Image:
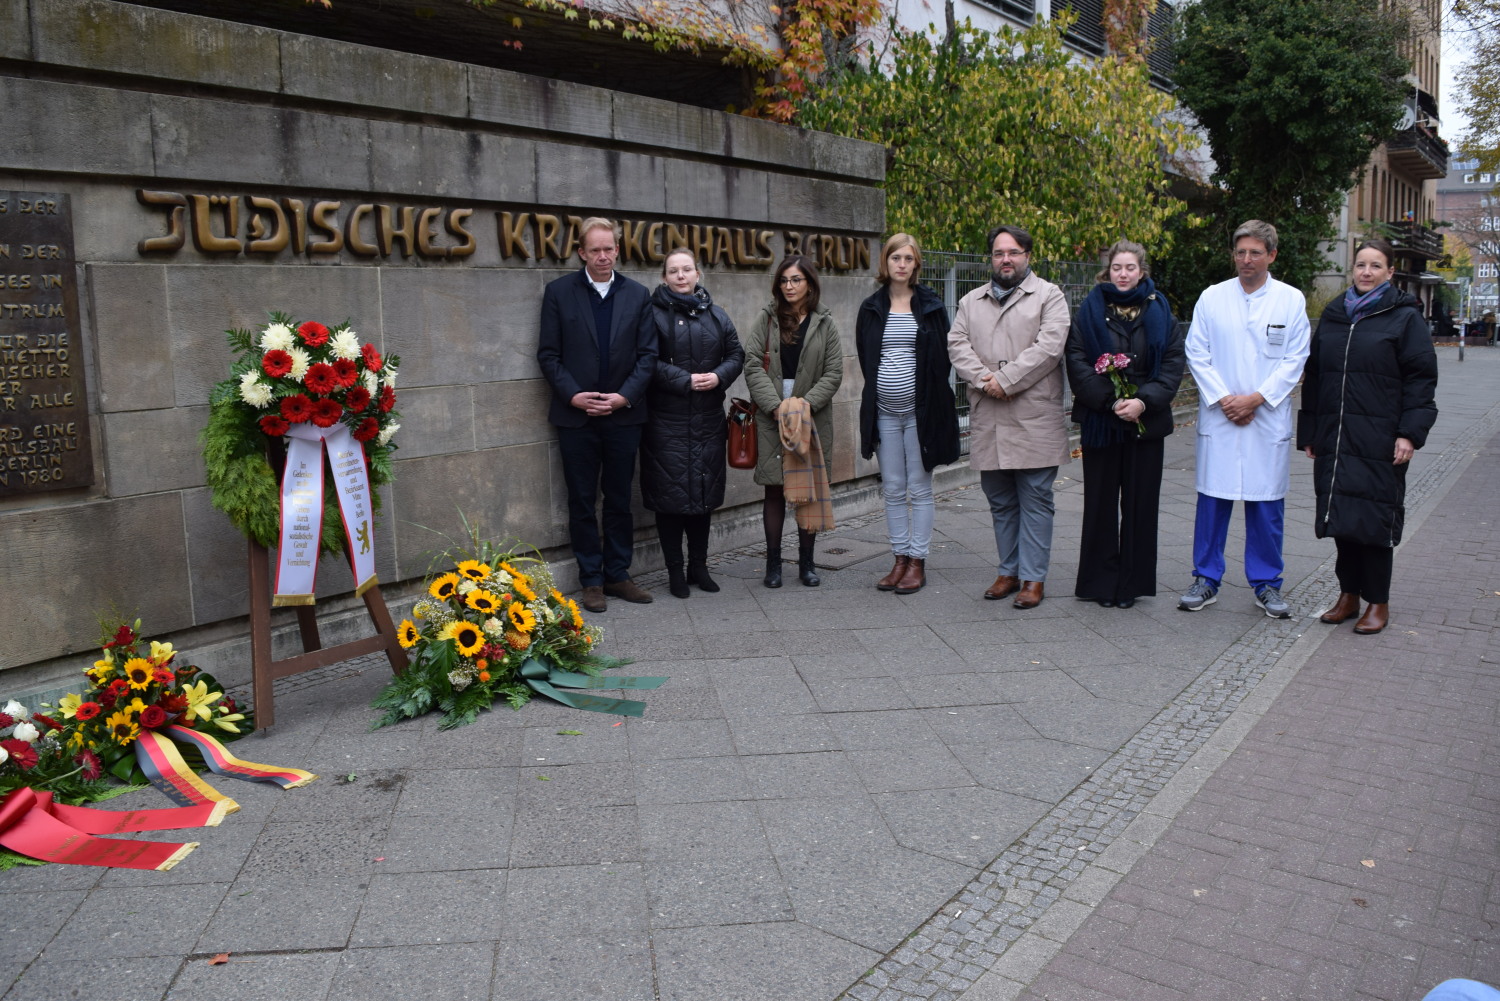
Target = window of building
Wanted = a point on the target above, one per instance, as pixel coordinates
(1468, 178)
(1484, 178)
(1023, 11)
(1488, 269)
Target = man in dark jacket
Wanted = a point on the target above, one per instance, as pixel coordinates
(597, 350)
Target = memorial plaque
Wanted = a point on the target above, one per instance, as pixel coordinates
(44, 421)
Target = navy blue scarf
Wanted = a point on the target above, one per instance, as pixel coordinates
(1100, 430)
(1359, 306)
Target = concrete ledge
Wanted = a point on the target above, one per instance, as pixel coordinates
(328, 70)
(15, 30)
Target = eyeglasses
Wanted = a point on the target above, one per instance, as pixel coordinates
(1249, 255)
(1006, 255)
(791, 281)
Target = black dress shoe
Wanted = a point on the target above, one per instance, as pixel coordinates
(1124, 602)
(1106, 603)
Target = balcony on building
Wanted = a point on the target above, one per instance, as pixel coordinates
(1418, 151)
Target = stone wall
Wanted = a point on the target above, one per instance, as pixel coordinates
(107, 99)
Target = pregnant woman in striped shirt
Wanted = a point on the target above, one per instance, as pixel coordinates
(906, 414)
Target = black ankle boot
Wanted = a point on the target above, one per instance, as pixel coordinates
(677, 582)
(773, 569)
(805, 570)
(697, 573)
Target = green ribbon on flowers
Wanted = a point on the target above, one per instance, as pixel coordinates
(542, 678)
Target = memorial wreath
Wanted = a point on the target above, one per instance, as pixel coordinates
(295, 380)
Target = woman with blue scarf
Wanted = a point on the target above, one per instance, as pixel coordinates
(1367, 404)
(1124, 324)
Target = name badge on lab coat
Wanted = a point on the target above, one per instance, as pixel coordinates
(1276, 334)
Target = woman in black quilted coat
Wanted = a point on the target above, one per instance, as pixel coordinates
(682, 447)
(1367, 404)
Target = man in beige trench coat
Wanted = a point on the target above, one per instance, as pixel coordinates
(1007, 345)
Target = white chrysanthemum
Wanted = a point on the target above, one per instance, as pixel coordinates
(253, 391)
(494, 627)
(388, 376)
(300, 361)
(465, 586)
(387, 434)
(371, 381)
(278, 337)
(345, 344)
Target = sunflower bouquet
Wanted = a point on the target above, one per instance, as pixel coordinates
(138, 686)
(292, 373)
(478, 624)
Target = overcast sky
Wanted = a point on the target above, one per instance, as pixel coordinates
(1455, 55)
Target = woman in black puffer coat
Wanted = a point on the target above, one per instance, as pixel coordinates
(682, 447)
(1367, 404)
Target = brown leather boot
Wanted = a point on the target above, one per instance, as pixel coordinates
(1004, 586)
(915, 577)
(890, 580)
(1374, 619)
(1347, 607)
(1030, 596)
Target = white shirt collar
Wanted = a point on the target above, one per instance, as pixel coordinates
(601, 287)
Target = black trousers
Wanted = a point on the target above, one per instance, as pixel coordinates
(600, 458)
(1121, 498)
(671, 528)
(1364, 570)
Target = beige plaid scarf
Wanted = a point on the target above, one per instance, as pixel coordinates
(803, 471)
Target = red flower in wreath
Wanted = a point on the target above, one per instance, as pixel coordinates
(106, 699)
(6, 719)
(90, 763)
(373, 361)
(119, 687)
(326, 413)
(321, 378)
(276, 363)
(173, 704)
(124, 636)
(163, 675)
(387, 399)
(296, 409)
(22, 753)
(87, 711)
(367, 430)
(273, 425)
(153, 717)
(313, 334)
(346, 372)
(46, 721)
(356, 399)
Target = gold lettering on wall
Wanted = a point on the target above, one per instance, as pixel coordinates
(389, 232)
(330, 227)
(267, 238)
(547, 229)
(204, 237)
(354, 237)
(513, 235)
(455, 225)
(176, 229)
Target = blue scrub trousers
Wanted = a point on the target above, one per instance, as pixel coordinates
(1263, 531)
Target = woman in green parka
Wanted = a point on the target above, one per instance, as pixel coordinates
(792, 349)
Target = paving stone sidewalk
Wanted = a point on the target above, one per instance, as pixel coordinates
(837, 786)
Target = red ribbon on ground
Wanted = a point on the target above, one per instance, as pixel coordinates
(33, 824)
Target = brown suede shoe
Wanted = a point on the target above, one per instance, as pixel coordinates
(1030, 596)
(890, 580)
(1374, 619)
(1004, 587)
(1347, 607)
(915, 577)
(594, 600)
(629, 590)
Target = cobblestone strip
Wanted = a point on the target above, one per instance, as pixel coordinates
(950, 951)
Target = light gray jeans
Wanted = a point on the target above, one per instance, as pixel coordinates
(904, 483)
(1022, 509)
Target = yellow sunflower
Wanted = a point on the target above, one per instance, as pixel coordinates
(474, 570)
(522, 584)
(507, 568)
(521, 617)
(407, 634)
(123, 728)
(138, 673)
(483, 601)
(577, 616)
(465, 635)
(444, 587)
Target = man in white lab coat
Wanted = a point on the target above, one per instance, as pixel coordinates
(1245, 348)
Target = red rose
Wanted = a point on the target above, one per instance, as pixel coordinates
(106, 699)
(296, 409)
(90, 763)
(173, 704)
(6, 719)
(356, 399)
(321, 378)
(153, 717)
(346, 372)
(124, 636)
(326, 413)
(22, 753)
(46, 721)
(87, 710)
(367, 430)
(276, 364)
(273, 425)
(387, 399)
(373, 360)
(313, 334)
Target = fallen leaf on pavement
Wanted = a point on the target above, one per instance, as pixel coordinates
(219, 960)
(1361, 901)
(1368, 863)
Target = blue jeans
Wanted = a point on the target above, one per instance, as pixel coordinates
(600, 458)
(904, 481)
(1022, 509)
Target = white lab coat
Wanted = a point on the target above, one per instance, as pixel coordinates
(1233, 349)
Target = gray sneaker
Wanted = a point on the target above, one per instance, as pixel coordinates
(1275, 605)
(1201, 593)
